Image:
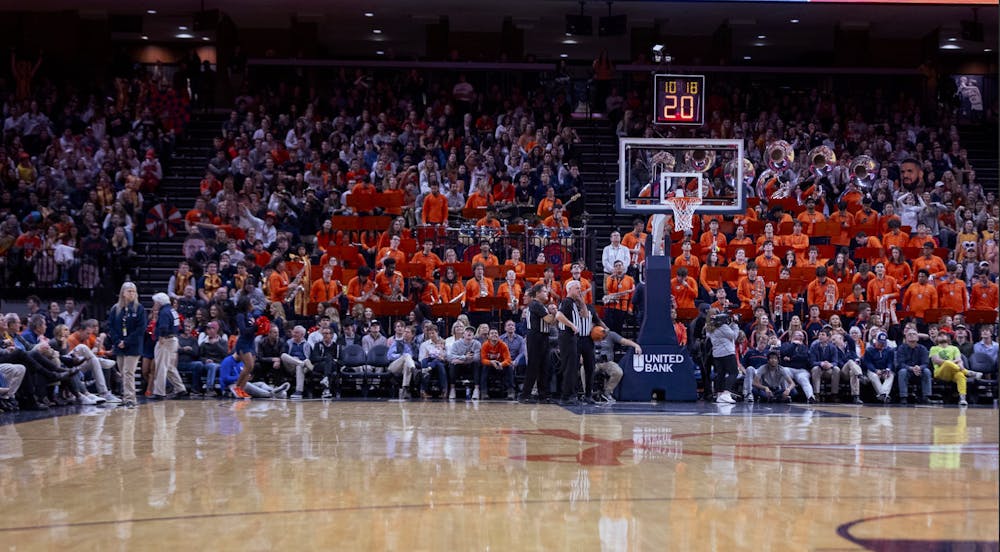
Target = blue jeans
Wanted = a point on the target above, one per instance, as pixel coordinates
(904, 376)
(211, 368)
(437, 369)
(197, 370)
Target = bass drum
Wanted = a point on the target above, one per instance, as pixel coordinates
(556, 254)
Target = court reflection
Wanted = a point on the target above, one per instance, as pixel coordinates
(390, 475)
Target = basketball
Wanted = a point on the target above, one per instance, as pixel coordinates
(598, 333)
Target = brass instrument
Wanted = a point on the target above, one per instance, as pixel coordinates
(663, 160)
(779, 155)
(730, 172)
(823, 160)
(296, 286)
(830, 298)
(397, 291)
(457, 298)
(699, 159)
(783, 191)
(368, 294)
(482, 289)
(759, 292)
(864, 169)
(613, 297)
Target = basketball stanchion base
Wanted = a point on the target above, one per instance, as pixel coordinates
(665, 369)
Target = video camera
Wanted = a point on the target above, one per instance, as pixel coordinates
(722, 319)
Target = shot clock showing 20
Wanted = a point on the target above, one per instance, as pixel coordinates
(679, 99)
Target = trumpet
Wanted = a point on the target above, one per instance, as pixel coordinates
(864, 168)
(822, 159)
(699, 159)
(779, 155)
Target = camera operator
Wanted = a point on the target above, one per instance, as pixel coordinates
(722, 331)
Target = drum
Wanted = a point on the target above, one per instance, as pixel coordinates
(566, 237)
(540, 236)
(488, 234)
(467, 234)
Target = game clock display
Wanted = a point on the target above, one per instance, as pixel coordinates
(679, 99)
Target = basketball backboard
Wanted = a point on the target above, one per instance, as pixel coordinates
(652, 169)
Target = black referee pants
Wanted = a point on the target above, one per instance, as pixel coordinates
(569, 356)
(537, 345)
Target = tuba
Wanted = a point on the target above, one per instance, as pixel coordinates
(823, 159)
(663, 160)
(699, 159)
(730, 172)
(779, 155)
(863, 169)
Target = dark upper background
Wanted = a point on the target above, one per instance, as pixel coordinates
(90, 33)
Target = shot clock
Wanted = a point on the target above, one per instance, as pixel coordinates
(679, 99)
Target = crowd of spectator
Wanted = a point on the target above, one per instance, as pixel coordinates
(333, 216)
(77, 167)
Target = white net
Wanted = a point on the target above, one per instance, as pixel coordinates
(683, 208)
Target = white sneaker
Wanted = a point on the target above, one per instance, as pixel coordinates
(973, 375)
(475, 394)
(725, 398)
(326, 394)
(962, 401)
(97, 398)
(280, 395)
(86, 400)
(296, 396)
(748, 398)
(111, 399)
(451, 394)
(325, 382)
(282, 387)
(608, 398)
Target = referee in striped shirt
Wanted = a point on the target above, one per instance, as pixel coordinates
(576, 319)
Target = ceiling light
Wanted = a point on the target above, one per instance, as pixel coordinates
(952, 39)
(564, 55)
(379, 53)
(184, 35)
(569, 41)
(761, 37)
(205, 38)
(987, 50)
(793, 20)
(182, 28)
(369, 14)
(951, 47)
(569, 34)
(759, 44)
(746, 58)
(377, 31)
(151, 12)
(144, 37)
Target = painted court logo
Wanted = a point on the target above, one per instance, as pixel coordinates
(656, 363)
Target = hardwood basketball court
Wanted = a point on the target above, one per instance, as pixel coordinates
(354, 475)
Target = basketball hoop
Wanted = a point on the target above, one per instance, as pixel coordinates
(683, 208)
